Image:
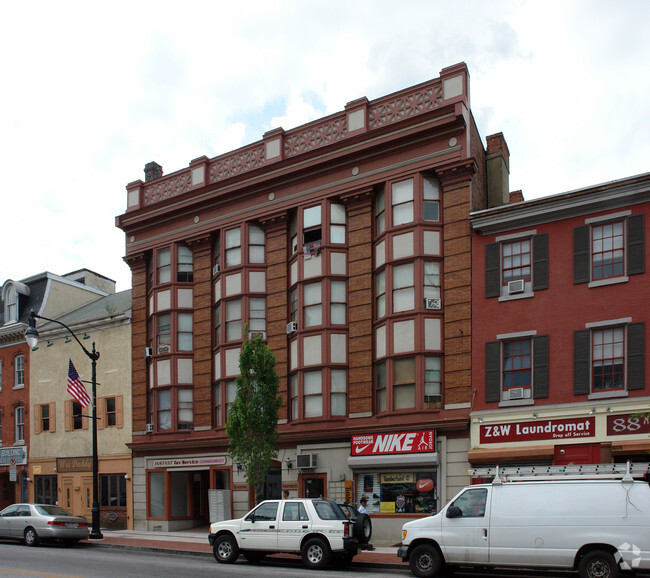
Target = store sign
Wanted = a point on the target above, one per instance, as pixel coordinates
(394, 443)
(188, 462)
(17, 455)
(626, 424)
(66, 465)
(550, 429)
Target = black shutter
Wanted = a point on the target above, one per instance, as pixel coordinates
(493, 371)
(540, 366)
(635, 245)
(581, 254)
(581, 357)
(635, 355)
(492, 270)
(540, 262)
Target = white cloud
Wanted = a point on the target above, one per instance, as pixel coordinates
(91, 93)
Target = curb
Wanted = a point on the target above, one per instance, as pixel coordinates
(277, 558)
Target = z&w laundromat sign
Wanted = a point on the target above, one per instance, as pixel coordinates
(542, 429)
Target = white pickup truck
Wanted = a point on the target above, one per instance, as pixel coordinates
(320, 530)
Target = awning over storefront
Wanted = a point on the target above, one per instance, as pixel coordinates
(393, 460)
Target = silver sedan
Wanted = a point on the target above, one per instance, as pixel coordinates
(32, 523)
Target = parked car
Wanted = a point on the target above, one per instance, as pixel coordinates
(596, 527)
(33, 523)
(316, 529)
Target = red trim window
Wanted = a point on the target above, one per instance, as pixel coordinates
(517, 364)
(608, 359)
(607, 250)
(516, 261)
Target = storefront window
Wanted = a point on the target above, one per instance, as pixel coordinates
(399, 492)
(157, 495)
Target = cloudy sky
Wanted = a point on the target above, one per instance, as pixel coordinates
(91, 92)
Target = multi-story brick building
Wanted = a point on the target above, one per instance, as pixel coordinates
(346, 244)
(49, 295)
(559, 322)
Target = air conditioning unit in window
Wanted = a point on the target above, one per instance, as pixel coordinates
(306, 461)
(432, 303)
(148, 428)
(148, 352)
(216, 269)
(292, 327)
(164, 349)
(254, 334)
(515, 286)
(516, 393)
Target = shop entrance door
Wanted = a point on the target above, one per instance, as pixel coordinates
(86, 497)
(313, 486)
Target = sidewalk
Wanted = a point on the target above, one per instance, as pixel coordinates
(196, 543)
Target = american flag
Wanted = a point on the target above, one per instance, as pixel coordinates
(75, 388)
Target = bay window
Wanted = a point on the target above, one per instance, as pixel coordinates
(402, 202)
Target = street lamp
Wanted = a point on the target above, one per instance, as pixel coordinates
(31, 336)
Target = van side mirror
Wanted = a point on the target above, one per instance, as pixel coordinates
(454, 512)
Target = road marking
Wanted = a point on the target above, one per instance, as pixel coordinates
(30, 573)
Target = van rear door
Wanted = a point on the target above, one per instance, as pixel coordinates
(465, 525)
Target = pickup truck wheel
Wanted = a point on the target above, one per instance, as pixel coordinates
(598, 564)
(253, 556)
(316, 553)
(225, 549)
(425, 561)
(363, 528)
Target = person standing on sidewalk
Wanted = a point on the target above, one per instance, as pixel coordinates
(362, 506)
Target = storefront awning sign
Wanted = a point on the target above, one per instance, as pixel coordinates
(422, 441)
(188, 462)
(550, 429)
(628, 423)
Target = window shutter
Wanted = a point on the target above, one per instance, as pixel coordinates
(67, 406)
(38, 420)
(88, 410)
(581, 357)
(101, 413)
(492, 270)
(581, 254)
(540, 262)
(493, 371)
(540, 366)
(635, 245)
(53, 417)
(119, 411)
(635, 356)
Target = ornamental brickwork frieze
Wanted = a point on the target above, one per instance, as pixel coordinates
(315, 136)
(168, 188)
(405, 106)
(236, 164)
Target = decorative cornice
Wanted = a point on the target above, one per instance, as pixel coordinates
(457, 172)
(362, 195)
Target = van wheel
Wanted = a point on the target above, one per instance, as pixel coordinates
(598, 564)
(363, 528)
(425, 561)
(225, 549)
(316, 554)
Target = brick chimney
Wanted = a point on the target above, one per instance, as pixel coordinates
(152, 171)
(498, 170)
(516, 197)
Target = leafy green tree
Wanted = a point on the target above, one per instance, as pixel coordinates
(252, 425)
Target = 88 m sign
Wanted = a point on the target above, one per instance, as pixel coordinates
(628, 424)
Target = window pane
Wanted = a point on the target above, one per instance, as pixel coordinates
(403, 276)
(402, 191)
(233, 238)
(255, 235)
(312, 293)
(403, 214)
(313, 382)
(256, 254)
(404, 299)
(313, 316)
(313, 406)
(311, 217)
(338, 313)
(337, 234)
(404, 370)
(338, 213)
(430, 189)
(404, 396)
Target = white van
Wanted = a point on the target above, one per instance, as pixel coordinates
(596, 526)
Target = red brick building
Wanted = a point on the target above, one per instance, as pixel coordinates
(346, 244)
(560, 318)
